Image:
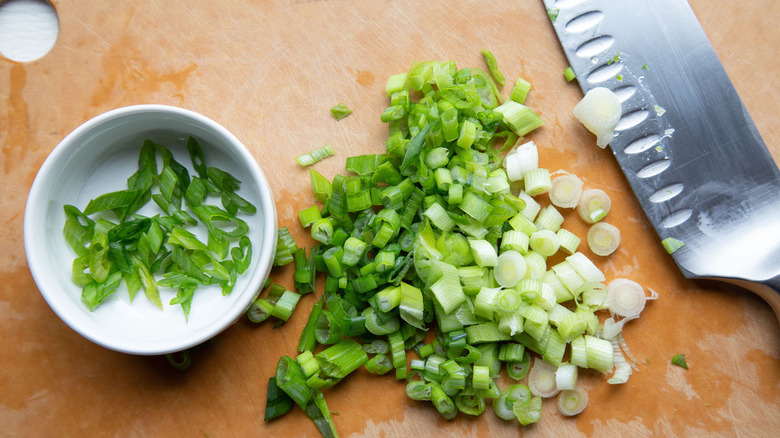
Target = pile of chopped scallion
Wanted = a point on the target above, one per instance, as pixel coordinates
(435, 254)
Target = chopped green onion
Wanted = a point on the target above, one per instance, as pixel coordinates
(317, 410)
(326, 330)
(593, 296)
(443, 402)
(492, 64)
(339, 360)
(541, 379)
(511, 352)
(503, 404)
(284, 308)
(398, 352)
(518, 369)
(136, 248)
(679, 360)
(594, 204)
(625, 298)
(418, 390)
(291, 379)
(469, 402)
(447, 289)
(532, 207)
(285, 247)
(480, 377)
(599, 353)
(354, 249)
(671, 244)
(316, 155)
(572, 402)
(388, 298)
(278, 402)
(562, 294)
(340, 111)
(519, 117)
(565, 191)
(484, 253)
(510, 268)
(485, 302)
(520, 90)
(586, 269)
(536, 264)
(308, 339)
(513, 240)
(260, 310)
(566, 377)
(544, 242)
(439, 217)
(438, 233)
(308, 363)
(520, 222)
(321, 187)
(412, 305)
(567, 276)
(475, 206)
(309, 215)
(603, 238)
(379, 364)
(485, 332)
(569, 74)
(181, 363)
(529, 412)
(622, 368)
(510, 324)
(537, 181)
(599, 111)
(549, 218)
(569, 242)
(521, 160)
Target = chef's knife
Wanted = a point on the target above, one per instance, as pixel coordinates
(685, 141)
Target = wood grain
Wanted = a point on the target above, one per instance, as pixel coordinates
(269, 71)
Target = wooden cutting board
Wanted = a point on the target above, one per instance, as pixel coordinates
(269, 71)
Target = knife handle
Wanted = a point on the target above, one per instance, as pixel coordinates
(768, 289)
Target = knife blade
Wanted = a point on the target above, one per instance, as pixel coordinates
(685, 142)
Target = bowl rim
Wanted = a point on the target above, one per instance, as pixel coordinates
(35, 206)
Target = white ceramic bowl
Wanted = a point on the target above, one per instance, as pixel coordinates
(98, 157)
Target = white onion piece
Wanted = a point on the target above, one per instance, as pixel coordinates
(603, 238)
(545, 242)
(625, 298)
(541, 379)
(613, 328)
(622, 368)
(586, 268)
(627, 351)
(599, 111)
(523, 159)
(572, 402)
(593, 201)
(565, 191)
(566, 377)
(510, 268)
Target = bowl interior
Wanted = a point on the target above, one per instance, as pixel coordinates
(97, 158)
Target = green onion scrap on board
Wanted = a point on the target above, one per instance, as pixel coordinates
(436, 256)
(679, 360)
(340, 111)
(114, 243)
